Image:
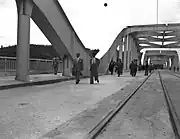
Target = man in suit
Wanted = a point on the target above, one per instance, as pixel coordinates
(55, 64)
(78, 67)
(94, 65)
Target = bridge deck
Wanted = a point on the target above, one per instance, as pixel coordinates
(30, 112)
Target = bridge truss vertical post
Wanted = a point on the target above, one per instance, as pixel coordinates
(125, 52)
(121, 49)
(129, 51)
(23, 40)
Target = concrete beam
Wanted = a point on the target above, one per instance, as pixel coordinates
(153, 45)
(146, 34)
(173, 33)
(172, 39)
(159, 27)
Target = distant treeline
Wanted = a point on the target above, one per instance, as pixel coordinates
(36, 51)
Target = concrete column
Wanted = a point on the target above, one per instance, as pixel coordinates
(125, 53)
(120, 51)
(23, 40)
(67, 66)
(129, 39)
(134, 52)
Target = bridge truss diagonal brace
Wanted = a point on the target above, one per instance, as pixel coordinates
(23, 40)
(103, 68)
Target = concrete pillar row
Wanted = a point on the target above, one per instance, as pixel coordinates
(23, 40)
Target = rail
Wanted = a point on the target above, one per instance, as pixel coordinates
(96, 130)
(36, 66)
(172, 113)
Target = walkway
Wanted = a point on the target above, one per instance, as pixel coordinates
(30, 112)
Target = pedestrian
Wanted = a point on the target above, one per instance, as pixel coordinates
(94, 65)
(131, 68)
(150, 67)
(78, 67)
(119, 67)
(135, 67)
(174, 68)
(146, 68)
(55, 65)
(111, 67)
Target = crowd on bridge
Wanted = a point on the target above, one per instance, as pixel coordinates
(114, 66)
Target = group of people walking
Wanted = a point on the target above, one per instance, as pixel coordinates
(118, 66)
(78, 67)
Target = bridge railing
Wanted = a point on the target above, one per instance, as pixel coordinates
(37, 66)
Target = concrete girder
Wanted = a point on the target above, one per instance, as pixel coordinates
(172, 45)
(172, 39)
(146, 34)
(173, 33)
(148, 43)
(154, 28)
(151, 39)
(156, 54)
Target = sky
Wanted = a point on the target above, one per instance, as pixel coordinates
(97, 26)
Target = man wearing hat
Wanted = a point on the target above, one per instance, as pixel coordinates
(78, 67)
(94, 64)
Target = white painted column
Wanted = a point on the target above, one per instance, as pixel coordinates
(22, 54)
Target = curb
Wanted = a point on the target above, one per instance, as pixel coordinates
(52, 81)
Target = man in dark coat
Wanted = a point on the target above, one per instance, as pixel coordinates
(131, 68)
(122, 65)
(94, 65)
(146, 67)
(150, 67)
(78, 67)
(111, 67)
(135, 67)
(119, 66)
(174, 68)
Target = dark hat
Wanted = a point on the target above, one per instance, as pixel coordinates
(77, 54)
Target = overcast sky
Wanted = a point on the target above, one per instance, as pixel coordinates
(96, 25)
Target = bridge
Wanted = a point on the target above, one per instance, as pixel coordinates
(48, 106)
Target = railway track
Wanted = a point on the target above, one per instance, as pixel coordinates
(175, 121)
(96, 130)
